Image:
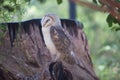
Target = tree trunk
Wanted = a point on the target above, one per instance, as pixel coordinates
(24, 56)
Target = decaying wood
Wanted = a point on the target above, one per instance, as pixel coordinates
(24, 56)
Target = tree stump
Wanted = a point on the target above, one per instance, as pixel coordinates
(24, 56)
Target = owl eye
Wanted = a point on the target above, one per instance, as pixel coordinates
(47, 20)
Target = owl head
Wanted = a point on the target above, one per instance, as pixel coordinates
(50, 20)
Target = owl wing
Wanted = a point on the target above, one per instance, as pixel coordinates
(60, 40)
(62, 44)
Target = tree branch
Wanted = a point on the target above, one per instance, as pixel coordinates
(108, 6)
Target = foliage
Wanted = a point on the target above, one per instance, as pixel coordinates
(11, 9)
(111, 18)
(59, 1)
(110, 6)
(2, 32)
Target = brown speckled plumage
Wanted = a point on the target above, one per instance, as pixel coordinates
(62, 43)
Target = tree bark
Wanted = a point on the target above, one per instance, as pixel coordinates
(29, 59)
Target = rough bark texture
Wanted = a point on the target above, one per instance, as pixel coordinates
(24, 56)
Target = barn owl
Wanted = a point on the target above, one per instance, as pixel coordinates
(55, 38)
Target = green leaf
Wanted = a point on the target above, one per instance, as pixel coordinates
(59, 1)
(42, 1)
(118, 29)
(109, 20)
(117, 0)
(1, 1)
(8, 8)
(3, 27)
(95, 1)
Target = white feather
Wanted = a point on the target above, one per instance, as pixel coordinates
(49, 43)
(46, 25)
